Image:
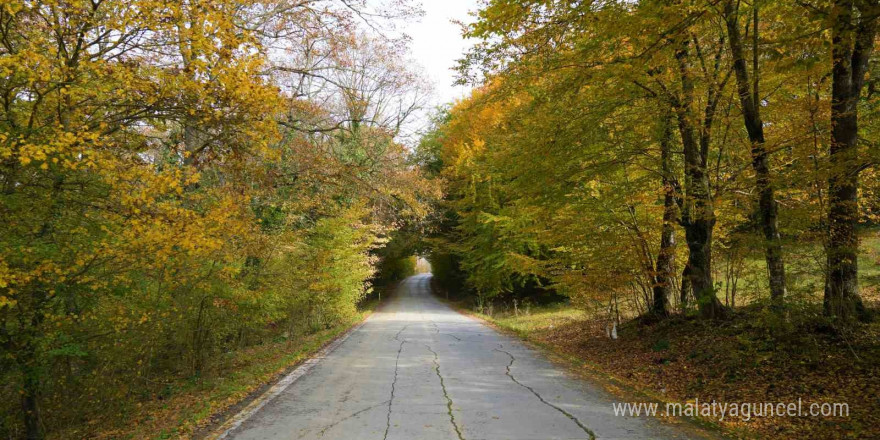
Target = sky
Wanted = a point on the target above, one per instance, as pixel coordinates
(437, 44)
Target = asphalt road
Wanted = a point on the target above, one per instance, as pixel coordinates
(418, 370)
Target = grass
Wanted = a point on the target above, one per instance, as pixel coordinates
(804, 272)
(869, 269)
(193, 404)
(539, 318)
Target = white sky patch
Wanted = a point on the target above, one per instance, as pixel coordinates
(437, 44)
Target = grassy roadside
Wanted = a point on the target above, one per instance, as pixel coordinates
(191, 407)
(683, 359)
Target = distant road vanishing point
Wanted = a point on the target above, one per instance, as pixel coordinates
(417, 369)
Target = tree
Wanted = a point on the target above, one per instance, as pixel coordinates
(650, 47)
(698, 212)
(853, 30)
(665, 267)
(749, 98)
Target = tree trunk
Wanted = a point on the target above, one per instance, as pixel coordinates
(685, 288)
(698, 216)
(698, 234)
(30, 393)
(666, 256)
(852, 44)
(767, 207)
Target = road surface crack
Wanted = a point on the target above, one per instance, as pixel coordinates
(564, 412)
(437, 331)
(397, 336)
(393, 385)
(445, 394)
(350, 416)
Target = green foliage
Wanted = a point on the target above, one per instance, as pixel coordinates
(397, 269)
(332, 267)
(396, 259)
(447, 273)
(597, 128)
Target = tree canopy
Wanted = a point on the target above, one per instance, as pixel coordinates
(643, 149)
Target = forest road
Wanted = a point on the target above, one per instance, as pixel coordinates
(417, 369)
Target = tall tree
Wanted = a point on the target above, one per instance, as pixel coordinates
(853, 31)
(695, 128)
(665, 266)
(749, 98)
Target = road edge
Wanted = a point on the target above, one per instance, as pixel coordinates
(232, 417)
(261, 397)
